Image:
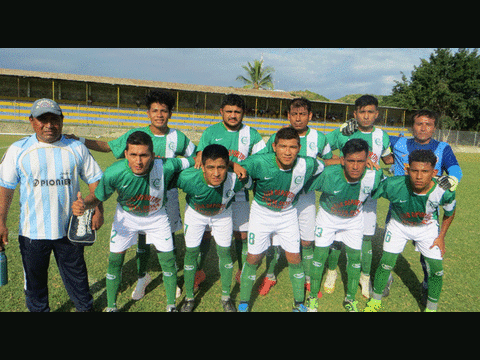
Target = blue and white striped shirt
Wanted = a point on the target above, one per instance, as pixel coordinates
(49, 181)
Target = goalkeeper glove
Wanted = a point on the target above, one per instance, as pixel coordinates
(349, 127)
(447, 182)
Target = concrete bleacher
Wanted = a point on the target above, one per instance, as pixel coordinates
(19, 111)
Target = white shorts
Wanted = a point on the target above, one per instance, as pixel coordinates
(126, 227)
(369, 216)
(306, 217)
(221, 226)
(264, 223)
(240, 214)
(173, 210)
(330, 228)
(397, 235)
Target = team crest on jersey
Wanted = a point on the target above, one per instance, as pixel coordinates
(298, 180)
(432, 204)
(244, 140)
(312, 146)
(171, 146)
(230, 193)
(367, 189)
(378, 141)
(156, 183)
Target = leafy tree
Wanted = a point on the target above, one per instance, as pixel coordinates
(448, 83)
(258, 76)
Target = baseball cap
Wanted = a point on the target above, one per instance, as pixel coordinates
(43, 106)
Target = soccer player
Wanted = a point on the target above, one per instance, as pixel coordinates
(345, 188)
(279, 178)
(241, 141)
(167, 143)
(366, 113)
(141, 182)
(210, 191)
(415, 200)
(48, 167)
(313, 144)
(423, 129)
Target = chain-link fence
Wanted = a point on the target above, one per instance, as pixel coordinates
(457, 137)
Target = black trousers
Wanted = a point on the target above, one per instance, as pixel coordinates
(71, 265)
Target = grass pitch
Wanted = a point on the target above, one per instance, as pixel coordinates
(461, 287)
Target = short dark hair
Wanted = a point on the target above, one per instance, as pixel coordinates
(161, 97)
(425, 112)
(425, 156)
(233, 99)
(355, 145)
(287, 133)
(301, 102)
(365, 100)
(214, 152)
(140, 138)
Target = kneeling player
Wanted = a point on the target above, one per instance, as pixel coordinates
(279, 179)
(141, 183)
(345, 188)
(210, 192)
(415, 200)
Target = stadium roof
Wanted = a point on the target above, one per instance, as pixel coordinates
(148, 83)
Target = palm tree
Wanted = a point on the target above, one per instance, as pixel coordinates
(259, 77)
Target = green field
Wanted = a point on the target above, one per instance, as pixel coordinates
(461, 289)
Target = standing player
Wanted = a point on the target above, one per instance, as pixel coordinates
(366, 113)
(345, 188)
(313, 144)
(141, 183)
(48, 167)
(415, 200)
(423, 129)
(210, 191)
(241, 141)
(279, 179)
(167, 143)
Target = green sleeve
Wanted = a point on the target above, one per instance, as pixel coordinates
(332, 138)
(118, 145)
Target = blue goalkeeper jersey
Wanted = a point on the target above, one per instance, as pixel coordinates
(446, 160)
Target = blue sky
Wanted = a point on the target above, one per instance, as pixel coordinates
(331, 72)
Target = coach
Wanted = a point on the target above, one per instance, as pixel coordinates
(48, 167)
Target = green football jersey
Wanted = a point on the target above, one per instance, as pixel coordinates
(173, 143)
(313, 144)
(206, 199)
(140, 195)
(340, 197)
(275, 188)
(413, 209)
(378, 142)
(240, 144)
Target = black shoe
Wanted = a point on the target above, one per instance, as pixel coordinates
(188, 306)
(228, 306)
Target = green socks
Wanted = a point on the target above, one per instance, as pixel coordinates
(167, 262)
(353, 271)
(435, 278)
(297, 277)
(114, 277)
(225, 266)
(320, 255)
